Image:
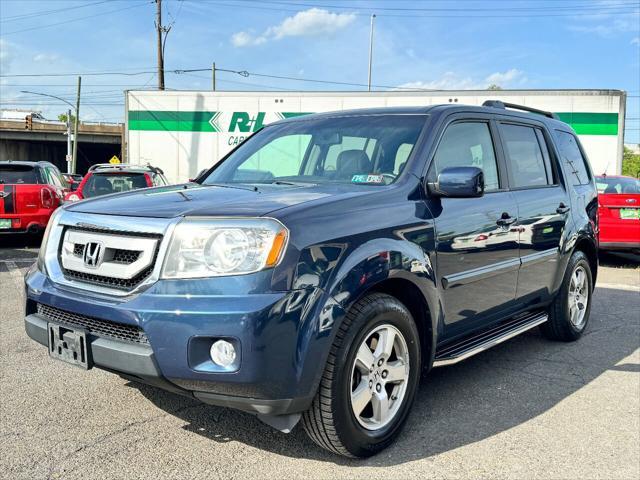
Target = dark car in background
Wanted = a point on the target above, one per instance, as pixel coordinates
(619, 212)
(29, 193)
(72, 179)
(105, 179)
(328, 261)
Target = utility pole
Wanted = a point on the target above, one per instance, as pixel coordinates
(160, 50)
(213, 76)
(75, 130)
(69, 148)
(373, 16)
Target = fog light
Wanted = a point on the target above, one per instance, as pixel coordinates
(223, 353)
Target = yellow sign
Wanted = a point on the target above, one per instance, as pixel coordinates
(114, 160)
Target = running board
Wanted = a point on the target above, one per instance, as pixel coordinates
(470, 346)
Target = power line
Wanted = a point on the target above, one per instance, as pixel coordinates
(24, 16)
(630, 10)
(600, 7)
(40, 27)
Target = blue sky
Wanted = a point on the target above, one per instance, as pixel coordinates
(423, 44)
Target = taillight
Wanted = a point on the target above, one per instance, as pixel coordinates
(147, 177)
(47, 198)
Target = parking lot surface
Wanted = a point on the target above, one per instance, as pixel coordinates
(528, 408)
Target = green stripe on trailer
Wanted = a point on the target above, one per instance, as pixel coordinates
(591, 123)
(294, 114)
(172, 121)
(583, 123)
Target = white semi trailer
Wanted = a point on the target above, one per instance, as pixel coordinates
(183, 132)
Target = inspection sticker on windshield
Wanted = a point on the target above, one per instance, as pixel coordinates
(367, 179)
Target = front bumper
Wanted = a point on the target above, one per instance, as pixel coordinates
(277, 375)
(137, 362)
(26, 222)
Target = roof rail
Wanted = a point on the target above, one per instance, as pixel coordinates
(116, 165)
(514, 106)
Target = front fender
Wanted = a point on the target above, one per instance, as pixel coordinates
(346, 275)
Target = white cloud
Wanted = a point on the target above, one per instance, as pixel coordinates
(45, 58)
(609, 29)
(452, 81)
(635, 41)
(312, 22)
(245, 39)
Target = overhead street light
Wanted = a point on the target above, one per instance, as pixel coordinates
(69, 150)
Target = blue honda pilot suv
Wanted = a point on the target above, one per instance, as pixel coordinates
(326, 262)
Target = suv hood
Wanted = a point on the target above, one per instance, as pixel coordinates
(209, 200)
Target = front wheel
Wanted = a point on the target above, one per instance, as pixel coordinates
(569, 312)
(370, 379)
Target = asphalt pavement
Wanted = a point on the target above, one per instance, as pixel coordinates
(529, 408)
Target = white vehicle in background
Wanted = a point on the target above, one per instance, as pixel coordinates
(183, 132)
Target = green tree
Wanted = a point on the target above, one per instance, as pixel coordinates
(493, 86)
(63, 118)
(630, 163)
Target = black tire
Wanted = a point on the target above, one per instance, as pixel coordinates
(330, 421)
(559, 326)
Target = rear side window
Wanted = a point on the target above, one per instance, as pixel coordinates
(17, 174)
(572, 158)
(527, 165)
(468, 144)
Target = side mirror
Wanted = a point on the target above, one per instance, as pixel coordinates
(459, 182)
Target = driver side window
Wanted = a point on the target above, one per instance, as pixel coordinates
(282, 157)
(468, 144)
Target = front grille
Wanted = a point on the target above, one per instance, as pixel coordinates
(111, 282)
(126, 256)
(119, 256)
(95, 326)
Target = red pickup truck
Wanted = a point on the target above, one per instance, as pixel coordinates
(29, 193)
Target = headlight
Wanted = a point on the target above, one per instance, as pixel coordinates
(45, 239)
(208, 247)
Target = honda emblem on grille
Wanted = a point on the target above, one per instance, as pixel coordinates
(93, 254)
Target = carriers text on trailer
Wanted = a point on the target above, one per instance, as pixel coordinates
(183, 132)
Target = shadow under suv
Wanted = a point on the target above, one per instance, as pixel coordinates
(326, 262)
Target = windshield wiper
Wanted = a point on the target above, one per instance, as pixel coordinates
(230, 185)
(288, 182)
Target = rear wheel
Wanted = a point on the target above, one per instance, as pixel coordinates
(569, 312)
(370, 379)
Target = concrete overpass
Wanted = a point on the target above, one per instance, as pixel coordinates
(47, 140)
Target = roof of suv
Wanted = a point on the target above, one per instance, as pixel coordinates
(539, 115)
(27, 163)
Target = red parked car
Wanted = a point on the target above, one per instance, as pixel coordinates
(103, 179)
(29, 193)
(619, 212)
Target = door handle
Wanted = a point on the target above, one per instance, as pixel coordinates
(562, 208)
(505, 220)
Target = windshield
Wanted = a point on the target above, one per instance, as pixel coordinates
(106, 183)
(615, 185)
(365, 149)
(18, 174)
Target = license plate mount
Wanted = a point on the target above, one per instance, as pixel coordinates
(69, 345)
(5, 223)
